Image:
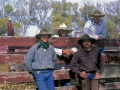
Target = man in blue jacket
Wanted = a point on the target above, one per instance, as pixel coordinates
(40, 61)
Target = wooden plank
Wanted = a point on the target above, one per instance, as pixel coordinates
(11, 58)
(16, 77)
(66, 88)
(15, 41)
(29, 41)
(111, 71)
(110, 86)
(18, 58)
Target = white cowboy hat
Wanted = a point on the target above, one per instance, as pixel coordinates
(62, 27)
(97, 13)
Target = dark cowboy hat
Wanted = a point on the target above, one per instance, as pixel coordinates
(86, 37)
(42, 32)
(97, 13)
(62, 27)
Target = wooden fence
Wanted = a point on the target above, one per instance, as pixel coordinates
(14, 50)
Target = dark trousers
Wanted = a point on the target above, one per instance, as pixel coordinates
(86, 84)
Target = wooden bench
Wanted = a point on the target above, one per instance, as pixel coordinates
(17, 48)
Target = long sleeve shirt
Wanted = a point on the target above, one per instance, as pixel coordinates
(39, 58)
(88, 62)
(94, 30)
(58, 51)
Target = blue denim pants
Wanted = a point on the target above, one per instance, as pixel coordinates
(101, 49)
(44, 79)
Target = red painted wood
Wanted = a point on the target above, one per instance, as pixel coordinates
(29, 41)
(16, 77)
(18, 58)
(11, 58)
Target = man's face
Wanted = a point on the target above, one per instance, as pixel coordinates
(44, 38)
(63, 33)
(86, 43)
(96, 19)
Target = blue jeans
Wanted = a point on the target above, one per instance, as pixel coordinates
(101, 49)
(44, 79)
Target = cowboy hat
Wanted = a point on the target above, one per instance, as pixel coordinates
(86, 37)
(97, 13)
(62, 27)
(43, 32)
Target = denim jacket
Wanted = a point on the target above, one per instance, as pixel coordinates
(40, 58)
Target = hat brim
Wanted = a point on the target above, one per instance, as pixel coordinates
(37, 35)
(81, 40)
(100, 15)
(57, 29)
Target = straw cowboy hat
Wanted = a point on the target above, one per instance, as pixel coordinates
(43, 32)
(97, 13)
(86, 37)
(62, 27)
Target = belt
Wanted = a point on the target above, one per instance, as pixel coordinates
(42, 69)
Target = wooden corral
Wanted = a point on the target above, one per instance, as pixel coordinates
(17, 47)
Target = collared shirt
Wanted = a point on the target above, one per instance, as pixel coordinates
(88, 62)
(94, 30)
(40, 58)
(58, 50)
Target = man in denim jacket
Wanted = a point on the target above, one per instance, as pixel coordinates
(88, 63)
(40, 61)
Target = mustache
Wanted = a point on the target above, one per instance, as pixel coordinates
(87, 44)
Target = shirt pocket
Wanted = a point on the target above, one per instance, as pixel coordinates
(82, 60)
(94, 59)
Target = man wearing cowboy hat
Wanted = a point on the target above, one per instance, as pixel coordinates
(40, 61)
(63, 31)
(64, 53)
(87, 63)
(96, 27)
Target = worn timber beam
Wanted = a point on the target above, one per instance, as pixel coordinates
(18, 58)
(111, 71)
(29, 41)
(24, 76)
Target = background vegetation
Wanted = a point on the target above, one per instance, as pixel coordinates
(50, 13)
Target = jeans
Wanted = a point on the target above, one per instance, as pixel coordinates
(44, 79)
(101, 49)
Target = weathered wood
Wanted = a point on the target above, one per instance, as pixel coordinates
(110, 86)
(16, 77)
(111, 71)
(66, 88)
(18, 58)
(21, 41)
(12, 58)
